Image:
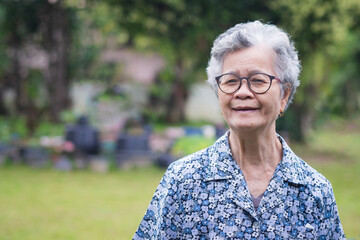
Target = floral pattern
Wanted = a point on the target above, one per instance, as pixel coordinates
(205, 196)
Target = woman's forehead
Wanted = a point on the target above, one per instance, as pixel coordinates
(249, 60)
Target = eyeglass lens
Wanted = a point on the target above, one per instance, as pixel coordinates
(258, 83)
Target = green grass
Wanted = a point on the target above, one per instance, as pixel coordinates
(47, 204)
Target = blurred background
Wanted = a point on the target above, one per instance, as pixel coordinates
(97, 98)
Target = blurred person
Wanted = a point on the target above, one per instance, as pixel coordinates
(84, 137)
(249, 184)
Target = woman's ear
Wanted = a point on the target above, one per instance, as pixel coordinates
(285, 96)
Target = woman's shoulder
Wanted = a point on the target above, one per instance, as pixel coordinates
(190, 164)
(313, 176)
(317, 183)
(299, 171)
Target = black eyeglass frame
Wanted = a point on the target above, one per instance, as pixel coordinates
(247, 80)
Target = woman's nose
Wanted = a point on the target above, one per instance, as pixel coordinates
(244, 91)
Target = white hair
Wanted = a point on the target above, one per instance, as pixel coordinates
(245, 35)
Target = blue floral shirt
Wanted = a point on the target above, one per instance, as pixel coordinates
(205, 196)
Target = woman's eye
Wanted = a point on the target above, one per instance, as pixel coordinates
(230, 81)
(257, 81)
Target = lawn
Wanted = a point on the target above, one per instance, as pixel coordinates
(47, 204)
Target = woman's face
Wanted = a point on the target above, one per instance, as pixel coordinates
(245, 110)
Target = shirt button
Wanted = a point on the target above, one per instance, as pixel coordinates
(256, 225)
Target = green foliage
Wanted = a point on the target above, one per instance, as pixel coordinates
(152, 115)
(162, 87)
(68, 116)
(83, 58)
(28, 29)
(106, 97)
(12, 128)
(49, 129)
(4, 60)
(35, 89)
(20, 16)
(187, 145)
(343, 93)
(324, 33)
(96, 31)
(180, 27)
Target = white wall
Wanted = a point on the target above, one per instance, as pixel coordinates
(203, 104)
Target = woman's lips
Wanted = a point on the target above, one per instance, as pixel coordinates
(245, 109)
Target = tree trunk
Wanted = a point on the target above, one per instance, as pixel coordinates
(18, 81)
(56, 34)
(3, 110)
(351, 98)
(302, 120)
(176, 104)
(25, 106)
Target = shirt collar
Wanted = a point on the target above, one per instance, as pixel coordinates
(221, 163)
(223, 166)
(291, 166)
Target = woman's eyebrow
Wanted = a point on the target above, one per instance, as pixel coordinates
(253, 71)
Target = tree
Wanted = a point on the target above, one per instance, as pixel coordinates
(323, 32)
(4, 64)
(56, 33)
(34, 29)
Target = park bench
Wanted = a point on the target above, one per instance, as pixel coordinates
(35, 156)
(132, 147)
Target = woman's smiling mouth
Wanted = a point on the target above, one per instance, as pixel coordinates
(245, 109)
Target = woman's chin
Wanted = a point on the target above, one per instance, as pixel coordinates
(245, 126)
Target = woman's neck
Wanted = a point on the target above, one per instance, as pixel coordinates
(252, 150)
(257, 156)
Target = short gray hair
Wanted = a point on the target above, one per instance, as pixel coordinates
(246, 35)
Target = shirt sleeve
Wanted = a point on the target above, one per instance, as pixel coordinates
(331, 227)
(158, 222)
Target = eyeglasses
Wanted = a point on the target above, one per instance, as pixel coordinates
(258, 82)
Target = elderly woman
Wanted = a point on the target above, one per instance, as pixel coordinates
(249, 184)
